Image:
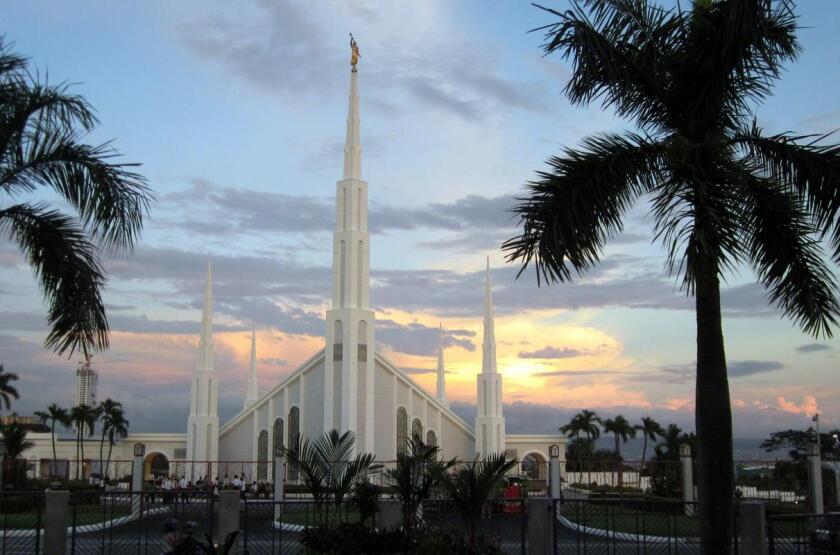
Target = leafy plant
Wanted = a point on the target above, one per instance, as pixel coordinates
(365, 498)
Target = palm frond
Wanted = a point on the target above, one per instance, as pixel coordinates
(574, 208)
(69, 273)
(786, 256)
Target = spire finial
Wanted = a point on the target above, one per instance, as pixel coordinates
(488, 363)
(205, 342)
(353, 142)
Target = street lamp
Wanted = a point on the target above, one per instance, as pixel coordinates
(278, 451)
(554, 451)
(139, 449)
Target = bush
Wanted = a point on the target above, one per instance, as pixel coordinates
(455, 543)
(356, 538)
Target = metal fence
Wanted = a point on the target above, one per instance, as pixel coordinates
(503, 522)
(22, 521)
(626, 525)
(803, 533)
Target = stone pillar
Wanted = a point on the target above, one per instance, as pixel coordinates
(753, 529)
(815, 478)
(279, 481)
(56, 520)
(541, 526)
(687, 478)
(137, 479)
(228, 515)
(554, 472)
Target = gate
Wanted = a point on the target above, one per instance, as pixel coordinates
(803, 533)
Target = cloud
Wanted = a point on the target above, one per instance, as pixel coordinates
(741, 368)
(553, 353)
(812, 348)
(809, 406)
(683, 373)
(418, 339)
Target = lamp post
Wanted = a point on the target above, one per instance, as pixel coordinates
(278, 490)
(554, 471)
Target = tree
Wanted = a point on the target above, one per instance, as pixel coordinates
(7, 390)
(621, 430)
(797, 442)
(327, 469)
(83, 418)
(54, 415)
(586, 421)
(723, 193)
(471, 485)
(413, 476)
(117, 427)
(14, 440)
(41, 132)
(109, 411)
(651, 430)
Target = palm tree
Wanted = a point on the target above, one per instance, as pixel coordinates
(328, 470)
(108, 411)
(586, 421)
(471, 485)
(14, 440)
(41, 130)
(7, 391)
(621, 430)
(722, 192)
(117, 427)
(83, 418)
(650, 429)
(54, 415)
(413, 476)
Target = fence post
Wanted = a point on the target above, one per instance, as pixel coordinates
(137, 479)
(228, 514)
(753, 526)
(56, 513)
(815, 478)
(279, 489)
(540, 526)
(836, 466)
(686, 469)
(554, 472)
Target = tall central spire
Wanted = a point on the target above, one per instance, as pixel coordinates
(353, 142)
(349, 347)
(205, 342)
(488, 362)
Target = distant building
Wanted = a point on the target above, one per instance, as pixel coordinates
(28, 423)
(86, 380)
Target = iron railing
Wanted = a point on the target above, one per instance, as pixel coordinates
(803, 533)
(21, 518)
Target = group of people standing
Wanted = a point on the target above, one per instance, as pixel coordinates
(171, 486)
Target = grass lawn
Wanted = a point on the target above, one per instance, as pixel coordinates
(85, 514)
(305, 515)
(631, 521)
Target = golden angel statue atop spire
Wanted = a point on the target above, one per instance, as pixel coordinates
(354, 52)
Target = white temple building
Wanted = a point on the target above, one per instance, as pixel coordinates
(346, 386)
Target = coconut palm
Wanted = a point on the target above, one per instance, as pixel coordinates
(108, 411)
(14, 440)
(328, 469)
(586, 422)
(55, 415)
(651, 430)
(41, 146)
(723, 193)
(413, 476)
(7, 390)
(117, 427)
(471, 485)
(621, 430)
(83, 418)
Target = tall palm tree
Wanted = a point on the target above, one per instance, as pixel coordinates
(14, 440)
(722, 192)
(83, 418)
(621, 430)
(117, 427)
(109, 410)
(471, 485)
(586, 421)
(7, 390)
(41, 146)
(651, 430)
(54, 415)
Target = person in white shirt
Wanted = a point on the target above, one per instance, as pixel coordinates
(236, 482)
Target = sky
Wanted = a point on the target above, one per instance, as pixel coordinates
(237, 114)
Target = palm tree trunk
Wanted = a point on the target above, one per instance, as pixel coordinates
(108, 462)
(101, 450)
(78, 441)
(82, 444)
(55, 455)
(644, 452)
(713, 420)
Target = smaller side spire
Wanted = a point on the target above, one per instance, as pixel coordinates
(441, 371)
(205, 342)
(252, 394)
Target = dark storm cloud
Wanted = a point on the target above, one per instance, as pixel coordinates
(418, 339)
(741, 368)
(812, 348)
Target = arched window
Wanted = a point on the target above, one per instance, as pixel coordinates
(294, 436)
(417, 428)
(278, 436)
(262, 455)
(402, 430)
(431, 438)
(534, 466)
